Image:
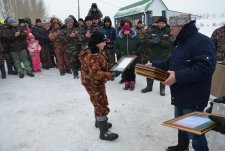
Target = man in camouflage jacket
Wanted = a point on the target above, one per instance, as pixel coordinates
(17, 43)
(218, 38)
(69, 38)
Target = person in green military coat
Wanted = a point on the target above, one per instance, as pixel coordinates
(160, 43)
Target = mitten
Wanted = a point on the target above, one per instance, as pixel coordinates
(220, 121)
(115, 74)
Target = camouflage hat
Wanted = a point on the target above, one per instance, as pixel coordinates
(179, 20)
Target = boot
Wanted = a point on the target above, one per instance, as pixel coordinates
(69, 71)
(162, 89)
(10, 67)
(127, 85)
(75, 74)
(132, 85)
(62, 73)
(30, 74)
(148, 88)
(183, 145)
(21, 75)
(2, 68)
(105, 134)
(109, 125)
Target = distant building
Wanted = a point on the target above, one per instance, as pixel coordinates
(148, 11)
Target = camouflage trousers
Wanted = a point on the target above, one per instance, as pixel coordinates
(99, 100)
(73, 62)
(45, 57)
(63, 63)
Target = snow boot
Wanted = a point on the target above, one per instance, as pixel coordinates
(132, 85)
(162, 89)
(105, 134)
(21, 75)
(2, 68)
(127, 85)
(30, 74)
(75, 74)
(183, 145)
(109, 125)
(148, 88)
(10, 67)
(69, 71)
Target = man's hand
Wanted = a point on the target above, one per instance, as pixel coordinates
(171, 79)
(73, 34)
(17, 33)
(220, 121)
(115, 74)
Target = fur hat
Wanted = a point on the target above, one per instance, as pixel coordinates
(21, 21)
(11, 20)
(96, 38)
(126, 27)
(179, 20)
(162, 19)
(38, 20)
(69, 19)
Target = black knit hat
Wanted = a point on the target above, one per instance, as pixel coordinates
(38, 20)
(94, 5)
(96, 38)
(21, 21)
(162, 19)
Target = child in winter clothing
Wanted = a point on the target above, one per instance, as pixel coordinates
(34, 49)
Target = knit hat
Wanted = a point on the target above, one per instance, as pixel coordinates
(126, 27)
(69, 19)
(94, 5)
(88, 18)
(21, 21)
(162, 19)
(11, 20)
(96, 38)
(179, 20)
(38, 20)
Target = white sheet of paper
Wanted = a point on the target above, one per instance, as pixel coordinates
(123, 64)
(192, 121)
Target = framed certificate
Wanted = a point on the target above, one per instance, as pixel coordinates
(123, 63)
(195, 122)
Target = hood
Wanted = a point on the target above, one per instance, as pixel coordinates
(107, 19)
(133, 33)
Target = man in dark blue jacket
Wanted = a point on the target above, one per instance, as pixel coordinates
(191, 66)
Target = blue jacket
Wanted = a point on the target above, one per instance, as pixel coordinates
(193, 59)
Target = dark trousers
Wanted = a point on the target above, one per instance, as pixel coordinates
(129, 74)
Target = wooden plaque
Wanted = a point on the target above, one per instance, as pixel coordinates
(195, 122)
(151, 72)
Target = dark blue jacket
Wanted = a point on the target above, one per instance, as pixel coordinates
(193, 59)
(109, 32)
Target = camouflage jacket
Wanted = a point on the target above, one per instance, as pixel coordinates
(54, 37)
(218, 38)
(71, 45)
(14, 43)
(98, 72)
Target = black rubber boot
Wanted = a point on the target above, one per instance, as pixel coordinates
(96, 123)
(10, 67)
(21, 75)
(148, 88)
(162, 89)
(2, 68)
(75, 74)
(30, 74)
(183, 145)
(105, 134)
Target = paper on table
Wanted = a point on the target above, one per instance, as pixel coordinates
(193, 121)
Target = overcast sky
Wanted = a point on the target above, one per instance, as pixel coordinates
(63, 8)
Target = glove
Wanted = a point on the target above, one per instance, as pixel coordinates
(220, 121)
(220, 100)
(156, 40)
(115, 74)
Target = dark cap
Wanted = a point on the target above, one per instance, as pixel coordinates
(88, 18)
(38, 20)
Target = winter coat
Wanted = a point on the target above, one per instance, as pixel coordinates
(85, 77)
(15, 43)
(218, 38)
(54, 37)
(128, 45)
(34, 49)
(41, 34)
(161, 50)
(98, 13)
(193, 59)
(109, 32)
(71, 45)
(98, 71)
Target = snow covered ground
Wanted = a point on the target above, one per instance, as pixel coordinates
(53, 113)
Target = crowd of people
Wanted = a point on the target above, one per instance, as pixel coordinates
(92, 46)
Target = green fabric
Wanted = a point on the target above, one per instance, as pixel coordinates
(19, 67)
(162, 50)
(27, 66)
